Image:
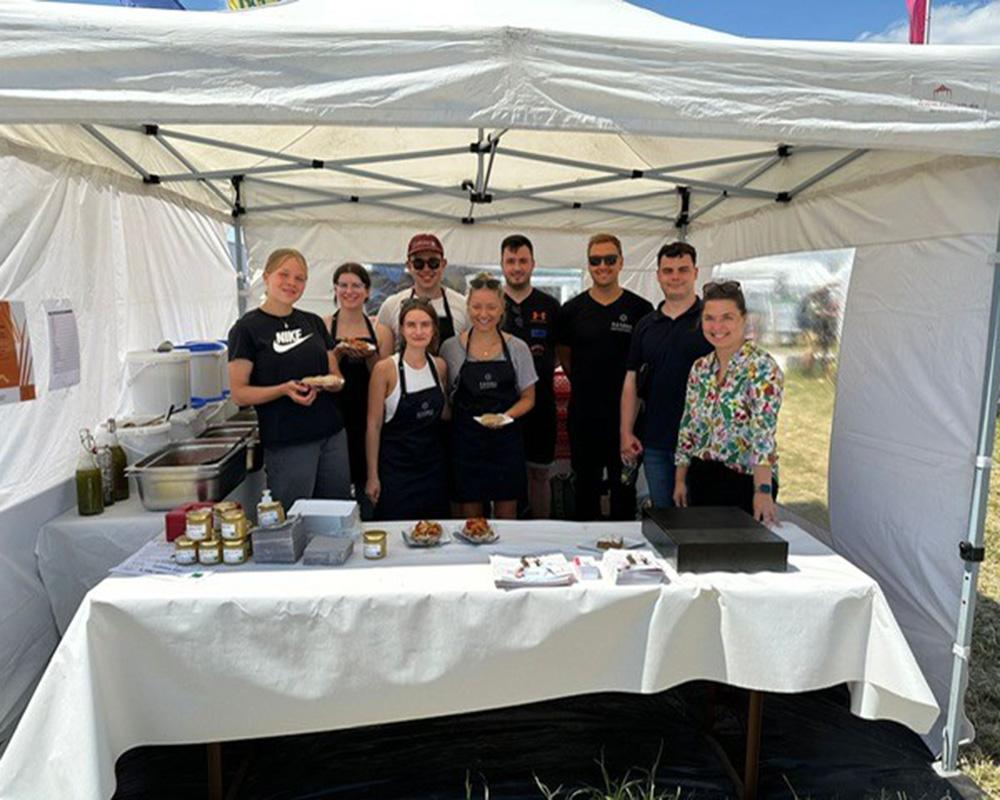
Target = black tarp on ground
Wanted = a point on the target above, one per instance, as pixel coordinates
(811, 743)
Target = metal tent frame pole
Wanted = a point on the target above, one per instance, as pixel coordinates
(241, 265)
(972, 550)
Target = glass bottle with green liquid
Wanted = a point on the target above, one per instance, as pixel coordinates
(89, 494)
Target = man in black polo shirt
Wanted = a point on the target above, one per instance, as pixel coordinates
(665, 344)
(594, 332)
(531, 315)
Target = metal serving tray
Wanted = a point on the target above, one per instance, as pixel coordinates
(194, 470)
(239, 430)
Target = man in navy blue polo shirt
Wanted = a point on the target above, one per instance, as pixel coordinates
(665, 344)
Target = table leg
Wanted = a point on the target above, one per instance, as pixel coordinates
(751, 766)
(214, 770)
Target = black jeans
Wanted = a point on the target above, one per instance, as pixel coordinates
(712, 483)
(594, 448)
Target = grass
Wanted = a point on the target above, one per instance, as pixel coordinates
(804, 445)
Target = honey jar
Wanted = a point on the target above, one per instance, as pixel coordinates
(210, 551)
(234, 524)
(199, 525)
(185, 551)
(235, 551)
(375, 544)
(219, 509)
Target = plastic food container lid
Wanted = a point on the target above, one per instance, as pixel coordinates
(202, 347)
(146, 356)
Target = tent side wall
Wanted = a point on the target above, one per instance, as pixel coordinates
(122, 257)
(910, 382)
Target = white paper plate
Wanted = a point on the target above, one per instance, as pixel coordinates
(493, 537)
(506, 420)
(411, 542)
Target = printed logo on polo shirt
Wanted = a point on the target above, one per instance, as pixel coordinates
(621, 325)
(287, 340)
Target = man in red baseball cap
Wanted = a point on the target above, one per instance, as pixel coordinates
(426, 263)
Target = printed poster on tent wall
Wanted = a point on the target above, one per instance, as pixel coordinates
(17, 376)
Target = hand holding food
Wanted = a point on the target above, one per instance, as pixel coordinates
(358, 348)
(493, 420)
(300, 392)
(324, 381)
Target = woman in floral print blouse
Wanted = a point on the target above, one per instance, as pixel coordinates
(726, 450)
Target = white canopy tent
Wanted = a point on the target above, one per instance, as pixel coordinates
(129, 137)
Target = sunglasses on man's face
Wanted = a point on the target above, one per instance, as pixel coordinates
(419, 263)
(608, 261)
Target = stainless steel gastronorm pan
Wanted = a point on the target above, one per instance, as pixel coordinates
(183, 472)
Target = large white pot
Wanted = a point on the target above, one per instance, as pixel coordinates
(155, 381)
(208, 370)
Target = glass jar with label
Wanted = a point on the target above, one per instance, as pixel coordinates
(376, 544)
(199, 524)
(233, 524)
(235, 551)
(221, 508)
(270, 512)
(210, 551)
(185, 551)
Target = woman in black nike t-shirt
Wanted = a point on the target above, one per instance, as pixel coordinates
(271, 349)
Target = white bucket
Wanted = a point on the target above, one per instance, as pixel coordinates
(140, 438)
(208, 369)
(157, 380)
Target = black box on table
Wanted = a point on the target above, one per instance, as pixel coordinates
(714, 539)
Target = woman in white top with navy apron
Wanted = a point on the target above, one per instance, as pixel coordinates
(494, 374)
(407, 466)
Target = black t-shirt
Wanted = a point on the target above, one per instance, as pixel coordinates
(534, 322)
(284, 349)
(668, 347)
(598, 337)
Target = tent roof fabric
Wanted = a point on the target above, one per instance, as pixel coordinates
(596, 65)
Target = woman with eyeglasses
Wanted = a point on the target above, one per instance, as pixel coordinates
(407, 466)
(425, 264)
(493, 386)
(360, 342)
(727, 453)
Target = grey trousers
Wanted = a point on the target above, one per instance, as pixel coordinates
(317, 469)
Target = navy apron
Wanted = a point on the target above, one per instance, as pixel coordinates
(411, 460)
(488, 462)
(446, 324)
(353, 402)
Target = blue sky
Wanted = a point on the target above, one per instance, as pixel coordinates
(953, 21)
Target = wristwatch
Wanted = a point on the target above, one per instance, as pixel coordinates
(764, 488)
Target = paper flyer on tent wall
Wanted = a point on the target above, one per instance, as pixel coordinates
(17, 380)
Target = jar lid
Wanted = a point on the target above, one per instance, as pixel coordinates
(183, 543)
(374, 536)
(235, 544)
(199, 514)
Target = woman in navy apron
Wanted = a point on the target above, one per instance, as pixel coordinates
(407, 468)
(359, 345)
(495, 376)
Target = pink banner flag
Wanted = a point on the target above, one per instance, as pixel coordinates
(918, 20)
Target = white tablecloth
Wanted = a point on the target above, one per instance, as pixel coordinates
(240, 654)
(74, 553)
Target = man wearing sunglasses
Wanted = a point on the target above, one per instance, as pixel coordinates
(425, 263)
(593, 336)
(665, 344)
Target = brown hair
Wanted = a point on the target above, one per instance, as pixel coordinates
(353, 268)
(726, 290)
(419, 304)
(278, 256)
(677, 250)
(604, 238)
